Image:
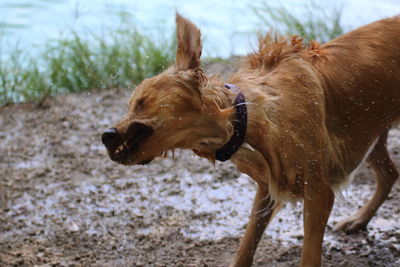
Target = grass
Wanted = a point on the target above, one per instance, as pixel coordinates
(316, 22)
(119, 57)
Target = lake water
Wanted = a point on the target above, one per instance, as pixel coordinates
(228, 26)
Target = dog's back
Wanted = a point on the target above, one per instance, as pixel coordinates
(361, 72)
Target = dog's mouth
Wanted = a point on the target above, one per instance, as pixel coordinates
(125, 148)
(124, 153)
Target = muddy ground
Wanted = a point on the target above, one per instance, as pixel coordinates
(64, 203)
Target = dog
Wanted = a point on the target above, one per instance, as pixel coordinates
(298, 119)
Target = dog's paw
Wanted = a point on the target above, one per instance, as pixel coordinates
(351, 225)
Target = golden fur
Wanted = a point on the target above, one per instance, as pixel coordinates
(313, 114)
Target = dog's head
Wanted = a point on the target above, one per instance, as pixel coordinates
(168, 110)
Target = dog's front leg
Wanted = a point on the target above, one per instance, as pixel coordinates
(263, 210)
(318, 202)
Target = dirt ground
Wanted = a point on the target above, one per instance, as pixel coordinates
(64, 203)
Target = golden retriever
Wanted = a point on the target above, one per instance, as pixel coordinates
(298, 119)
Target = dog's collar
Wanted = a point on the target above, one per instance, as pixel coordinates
(239, 127)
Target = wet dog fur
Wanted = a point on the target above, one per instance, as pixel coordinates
(315, 112)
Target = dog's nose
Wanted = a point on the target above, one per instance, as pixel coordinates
(109, 136)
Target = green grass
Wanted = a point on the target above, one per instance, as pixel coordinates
(316, 22)
(21, 79)
(119, 57)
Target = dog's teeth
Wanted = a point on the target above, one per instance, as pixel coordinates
(122, 147)
(119, 148)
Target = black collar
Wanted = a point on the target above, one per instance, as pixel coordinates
(239, 127)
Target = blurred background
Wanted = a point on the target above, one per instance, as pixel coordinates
(55, 46)
(227, 25)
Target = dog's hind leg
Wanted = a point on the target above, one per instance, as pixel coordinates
(264, 208)
(386, 175)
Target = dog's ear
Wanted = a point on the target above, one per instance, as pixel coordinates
(189, 48)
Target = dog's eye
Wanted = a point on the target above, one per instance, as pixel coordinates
(139, 105)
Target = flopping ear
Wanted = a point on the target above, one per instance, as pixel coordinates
(189, 44)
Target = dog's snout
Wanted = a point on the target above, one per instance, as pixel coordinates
(109, 136)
